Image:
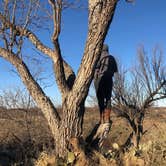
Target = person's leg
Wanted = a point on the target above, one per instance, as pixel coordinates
(94, 137)
(106, 115)
(100, 99)
(100, 96)
(105, 96)
(108, 94)
(105, 125)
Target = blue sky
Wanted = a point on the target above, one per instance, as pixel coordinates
(133, 24)
(140, 23)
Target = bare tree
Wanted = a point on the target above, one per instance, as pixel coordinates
(137, 91)
(17, 19)
(16, 98)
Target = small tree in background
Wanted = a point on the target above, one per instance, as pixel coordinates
(16, 98)
(136, 91)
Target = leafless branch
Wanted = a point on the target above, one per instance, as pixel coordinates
(57, 9)
(35, 90)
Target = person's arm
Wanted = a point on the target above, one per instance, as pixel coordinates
(97, 69)
(114, 66)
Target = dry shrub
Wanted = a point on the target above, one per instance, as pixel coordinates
(133, 161)
(155, 154)
(103, 161)
(130, 159)
(45, 159)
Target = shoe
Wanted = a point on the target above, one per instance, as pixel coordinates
(104, 130)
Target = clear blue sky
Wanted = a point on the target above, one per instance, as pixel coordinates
(143, 22)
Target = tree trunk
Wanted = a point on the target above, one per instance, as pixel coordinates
(137, 130)
(139, 124)
(73, 90)
(100, 17)
(71, 125)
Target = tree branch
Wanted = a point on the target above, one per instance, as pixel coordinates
(36, 92)
(66, 72)
(57, 9)
(100, 17)
(151, 98)
(58, 65)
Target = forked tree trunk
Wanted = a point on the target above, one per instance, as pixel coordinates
(68, 125)
(100, 17)
(137, 131)
(71, 127)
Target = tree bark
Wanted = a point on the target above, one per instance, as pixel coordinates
(100, 17)
(70, 126)
(74, 90)
(137, 131)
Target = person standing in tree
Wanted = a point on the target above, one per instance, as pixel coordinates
(103, 82)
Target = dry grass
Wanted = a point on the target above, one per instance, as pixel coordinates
(153, 143)
(45, 159)
(24, 135)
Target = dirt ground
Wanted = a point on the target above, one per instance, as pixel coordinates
(24, 134)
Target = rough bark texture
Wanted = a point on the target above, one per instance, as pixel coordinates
(136, 125)
(73, 89)
(100, 16)
(71, 126)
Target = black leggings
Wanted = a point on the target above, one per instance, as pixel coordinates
(103, 87)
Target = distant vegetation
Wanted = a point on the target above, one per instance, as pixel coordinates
(25, 138)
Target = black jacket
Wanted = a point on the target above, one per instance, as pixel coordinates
(106, 66)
